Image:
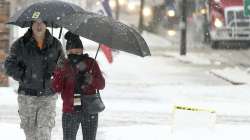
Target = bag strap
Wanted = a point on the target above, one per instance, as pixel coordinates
(92, 66)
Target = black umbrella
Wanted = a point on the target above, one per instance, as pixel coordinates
(105, 30)
(48, 11)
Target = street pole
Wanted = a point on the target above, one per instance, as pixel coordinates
(117, 10)
(183, 26)
(141, 18)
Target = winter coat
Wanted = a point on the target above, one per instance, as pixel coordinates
(64, 81)
(31, 66)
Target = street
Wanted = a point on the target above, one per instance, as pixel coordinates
(203, 95)
(144, 91)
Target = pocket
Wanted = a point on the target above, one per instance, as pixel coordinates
(47, 112)
(28, 121)
(26, 105)
(26, 111)
(47, 120)
(24, 120)
(27, 76)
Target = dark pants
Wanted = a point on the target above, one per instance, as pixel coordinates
(71, 122)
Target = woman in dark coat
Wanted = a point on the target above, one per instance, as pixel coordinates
(79, 74)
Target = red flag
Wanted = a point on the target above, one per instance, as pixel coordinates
(107, 52)
(106, 10)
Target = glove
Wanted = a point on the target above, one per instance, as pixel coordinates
(83, 79)
(81, 66)
(80, 78)
(88, 78)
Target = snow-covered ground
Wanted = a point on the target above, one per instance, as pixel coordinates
(140, 97)
(229, 65)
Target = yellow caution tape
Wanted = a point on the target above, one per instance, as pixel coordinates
(193, 109)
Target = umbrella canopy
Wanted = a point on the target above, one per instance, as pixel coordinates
(105, 30)
(48, 11)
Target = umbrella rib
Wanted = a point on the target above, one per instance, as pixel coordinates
(111, 40)
(138, 38)
(132, 34)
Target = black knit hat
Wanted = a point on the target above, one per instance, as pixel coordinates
(73, 41)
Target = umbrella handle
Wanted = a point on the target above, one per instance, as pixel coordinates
(60, 34)
(97, 51)
(52, 28)
(92, 64)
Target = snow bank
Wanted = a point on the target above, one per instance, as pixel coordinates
(190, 58)
(233, 75)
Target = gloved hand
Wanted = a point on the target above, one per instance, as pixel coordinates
(81, 66)
(80, 78)
(88, 78)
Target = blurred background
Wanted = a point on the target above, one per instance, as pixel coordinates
(160, 17)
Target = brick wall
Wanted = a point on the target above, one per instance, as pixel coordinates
(4, 39)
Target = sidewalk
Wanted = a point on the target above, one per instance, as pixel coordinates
(229, 65)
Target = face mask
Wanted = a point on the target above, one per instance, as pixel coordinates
(74, 58)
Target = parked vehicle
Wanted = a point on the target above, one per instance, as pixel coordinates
(227, 23)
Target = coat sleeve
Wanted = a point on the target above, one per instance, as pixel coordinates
(61, 56)
(98, 81)
(58, 73)
(57, 80)
(14, 67)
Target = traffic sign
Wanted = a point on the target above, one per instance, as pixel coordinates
(247, 7)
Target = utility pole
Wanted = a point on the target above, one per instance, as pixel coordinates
(183, 26)
(117, 10)
(141, 18)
